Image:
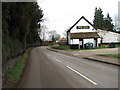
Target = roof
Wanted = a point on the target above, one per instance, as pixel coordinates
(84, 35)
(108, 36)
(79, 20)
(63, 38)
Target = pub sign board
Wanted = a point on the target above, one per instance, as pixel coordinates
(82, 27)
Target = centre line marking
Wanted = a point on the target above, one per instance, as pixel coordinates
(48, 55)
(57, 60)
(82, 75)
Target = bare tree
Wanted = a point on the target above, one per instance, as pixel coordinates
(65, 32)
(42, 32)
(53, 36)
(57, 37)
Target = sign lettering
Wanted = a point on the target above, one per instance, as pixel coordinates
(82, 27)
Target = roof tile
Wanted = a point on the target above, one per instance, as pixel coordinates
(84, 35)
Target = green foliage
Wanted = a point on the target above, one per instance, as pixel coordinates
(117, 45)
(100, 47)
(60, 47)
(51, 43)
(13, 75)
(98, 18)
(102, 23)
(110, 55)
(64, 47)
(63, 43)
(19, 27)
(67, 48)
(108, 23)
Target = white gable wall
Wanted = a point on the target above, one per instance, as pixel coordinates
(82, 22)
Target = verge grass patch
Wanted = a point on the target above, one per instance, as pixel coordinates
(110, 55)
(13, 75)
(67, 48)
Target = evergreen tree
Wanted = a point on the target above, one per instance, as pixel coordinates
(100, 22)
(108, 25)
(19, 27)
(98, 18)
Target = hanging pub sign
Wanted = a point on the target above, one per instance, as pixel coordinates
(82, 27)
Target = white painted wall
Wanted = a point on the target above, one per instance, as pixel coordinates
(74, 41)
(88, 40)
(109, 37)
(99, 40)
(82, 22)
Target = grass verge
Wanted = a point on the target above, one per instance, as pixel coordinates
(110, 55)
(117, 46)
(67, 48)
(60, 47)
(12, 77)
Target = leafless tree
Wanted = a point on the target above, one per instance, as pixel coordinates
(65, 32)
(57, 37)
(42, 32)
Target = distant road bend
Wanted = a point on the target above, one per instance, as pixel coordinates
(48, 69)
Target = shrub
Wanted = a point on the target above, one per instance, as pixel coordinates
(60, 47)
(117, 45)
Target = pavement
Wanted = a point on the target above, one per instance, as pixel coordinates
(48, 69)
(91, 54)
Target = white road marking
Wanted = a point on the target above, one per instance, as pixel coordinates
(48, 55)
(76, 54)
(57, 60)
(82, 75)
(54, 58)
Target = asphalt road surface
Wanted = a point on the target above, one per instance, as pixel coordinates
(48, 69)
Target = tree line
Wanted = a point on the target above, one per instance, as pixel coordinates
(19, 27)
(101, 22)
(52, 36)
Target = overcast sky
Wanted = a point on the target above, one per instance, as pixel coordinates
(62, 14)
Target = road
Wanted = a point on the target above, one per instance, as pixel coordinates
(48, 69)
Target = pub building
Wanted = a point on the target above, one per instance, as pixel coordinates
(83, 34)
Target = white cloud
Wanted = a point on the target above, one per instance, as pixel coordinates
(62, 14)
